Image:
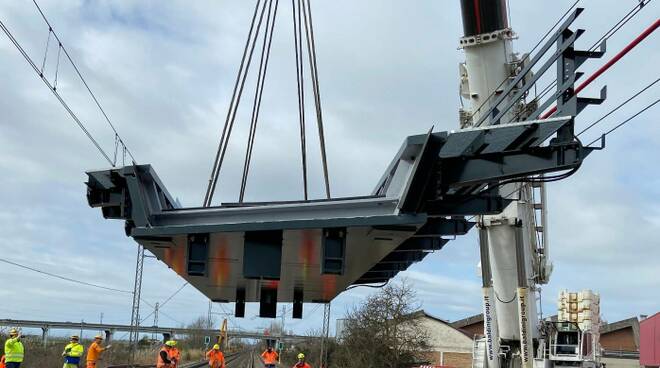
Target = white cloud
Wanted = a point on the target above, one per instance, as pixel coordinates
(164, 72)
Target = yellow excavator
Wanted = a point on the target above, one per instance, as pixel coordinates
(223, 340)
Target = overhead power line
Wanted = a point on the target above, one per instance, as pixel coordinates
(64, 277)
(173, 294)
(618, 107)
(119, 141)
(624, 122)
(107, 288)
(622, 22)
(634, 43)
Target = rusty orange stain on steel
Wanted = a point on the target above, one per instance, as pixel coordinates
(307, 252)
(329, 284)
(175, 257)
(220, 271)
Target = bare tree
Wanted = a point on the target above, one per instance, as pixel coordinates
(384, 331)
(199, 330)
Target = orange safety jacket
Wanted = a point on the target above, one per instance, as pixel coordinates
(175, 357)
(94, 352)
(160, 363)
(302, 365)
(270, 357)
(216, 358)
(2, 362)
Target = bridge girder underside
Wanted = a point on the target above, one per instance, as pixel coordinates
(310, 251)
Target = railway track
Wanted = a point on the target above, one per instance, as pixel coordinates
(243, 359)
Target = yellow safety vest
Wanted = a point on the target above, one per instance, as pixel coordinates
(14, 351)
(75, 352)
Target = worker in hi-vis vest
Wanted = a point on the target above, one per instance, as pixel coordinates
(215, 357)
(301, 362)
(73, 353)
(168, 356)
(270, 357)
(95, 350)
(14, 350)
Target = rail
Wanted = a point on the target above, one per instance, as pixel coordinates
(242, 359)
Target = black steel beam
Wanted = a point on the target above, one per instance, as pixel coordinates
(466, 205)
(419, 244)
(445, 227)
(502, 166)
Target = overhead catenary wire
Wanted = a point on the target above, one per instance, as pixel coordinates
(73, 115)
(69, 279)
(85, 283)
(622, 22)
(625, 122)
(619, 107)
(84, 81)
(638, 40)
(174, 294)
(611, 32)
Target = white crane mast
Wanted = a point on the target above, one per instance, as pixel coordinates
(512, 260)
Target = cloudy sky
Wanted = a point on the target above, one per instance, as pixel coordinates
(388, 68)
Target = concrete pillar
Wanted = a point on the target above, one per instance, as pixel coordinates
(108, 335)
(44, 336)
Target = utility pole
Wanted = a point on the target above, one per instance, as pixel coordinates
(281, 343)
(135, 312)
(153, 336)
(323, 360)
(101, 322)
(156, 308)
(209, 320)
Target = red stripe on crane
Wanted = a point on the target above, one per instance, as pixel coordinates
(477, 15)
(647, 32)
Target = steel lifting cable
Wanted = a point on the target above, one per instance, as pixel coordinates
(301, 14)
(261, 80)
(237, 93)
(297, 37)
(311, 50)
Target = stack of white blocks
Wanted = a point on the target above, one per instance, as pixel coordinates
(582, 308)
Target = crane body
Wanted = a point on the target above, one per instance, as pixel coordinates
(513, 244)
